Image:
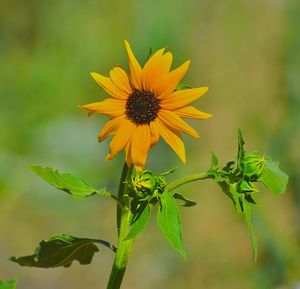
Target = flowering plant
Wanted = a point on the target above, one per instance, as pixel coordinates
(143, 107)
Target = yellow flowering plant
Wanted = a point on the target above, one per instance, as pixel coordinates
(143, 106)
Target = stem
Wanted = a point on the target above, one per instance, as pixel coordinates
(185, 180)
(123, 225)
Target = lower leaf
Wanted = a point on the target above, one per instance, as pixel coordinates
(168, 219)
(62, 250)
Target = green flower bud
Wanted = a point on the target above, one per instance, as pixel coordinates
(252, 165)
(145, 184)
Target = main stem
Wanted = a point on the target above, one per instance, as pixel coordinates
(123, 224)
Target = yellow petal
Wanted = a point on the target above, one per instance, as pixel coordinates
(140, 146)
(168, 83)
(109, 106)
(120, 79)
(192, 112)
(174, 121)
(173, 139)
(135, 68)
(156, 67)
(128, 154)
(110, 127)
(107, 84)
(121, 138)
(182, 98)
(154, 130)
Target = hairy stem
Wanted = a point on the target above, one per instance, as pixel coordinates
(185, 180)
(123, 225)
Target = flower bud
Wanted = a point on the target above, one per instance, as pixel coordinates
(252, 165)
(145, 184)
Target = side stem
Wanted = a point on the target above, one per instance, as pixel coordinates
(188, 179)
(123, 224)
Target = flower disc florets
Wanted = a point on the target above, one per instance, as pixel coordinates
(145, 185)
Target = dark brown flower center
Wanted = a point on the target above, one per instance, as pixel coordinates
(142, 106)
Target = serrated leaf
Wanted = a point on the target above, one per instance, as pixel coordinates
(140, 222)
(8, 284)
(62, 250)
(184, 201)
(168, 219)
(273, 178)
(248, 219)
(67, 182)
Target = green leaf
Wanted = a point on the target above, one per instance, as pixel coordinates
(214, 161)
(62, 250)
(140, 222)
(273, 178)
(183, 201)
(66, 182)
(247, 215)
(236, 197)
(168, 219)
(241, 151)
(8, 284)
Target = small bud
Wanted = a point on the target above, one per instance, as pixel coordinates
(145, 184)
(252, 165)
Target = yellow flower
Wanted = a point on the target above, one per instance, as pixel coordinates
(145, 106)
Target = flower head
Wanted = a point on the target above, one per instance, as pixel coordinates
(145, 106)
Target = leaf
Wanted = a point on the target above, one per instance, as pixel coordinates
(62, 250)
(140, 222)
(8, 284)
(168, 172)
(273, 178)
(66, 182)
(247, 215)
(236, 197)
(168, 219)
(183, 201)
(214, 161)
(241, 151)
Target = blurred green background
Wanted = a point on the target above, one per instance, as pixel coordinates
(247, 52)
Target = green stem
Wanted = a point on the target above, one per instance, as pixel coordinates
(185, 180)
(123, 224)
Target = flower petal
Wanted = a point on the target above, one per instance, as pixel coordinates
(156, 67)
(192, 112)
(181, 98)
(154, 130)
(121, 138)
(128, 153)
(173, 139)
(168, 83)
(110, 127)
(135, 68)
(174, 121)
(107, 84)
(109, 106)
(140, 146)
(120, 78)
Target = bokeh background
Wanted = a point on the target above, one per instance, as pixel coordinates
(247, 52)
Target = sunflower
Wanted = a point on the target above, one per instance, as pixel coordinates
(145, 106)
